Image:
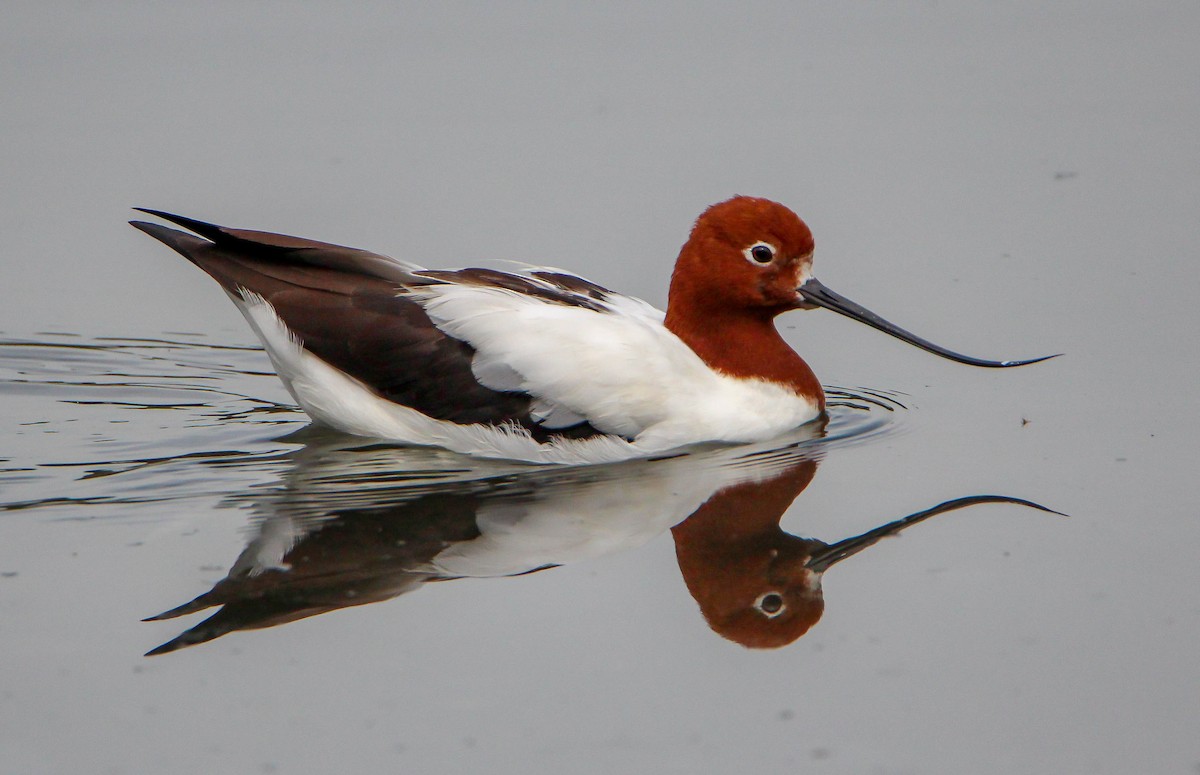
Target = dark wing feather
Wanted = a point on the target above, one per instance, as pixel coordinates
(344, 306)
(547, 290)
(282, 249)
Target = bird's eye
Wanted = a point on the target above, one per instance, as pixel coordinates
(770, 604)
(760, 253)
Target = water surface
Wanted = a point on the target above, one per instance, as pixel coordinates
(1008, 180)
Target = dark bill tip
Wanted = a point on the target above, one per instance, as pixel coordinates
(817, 294)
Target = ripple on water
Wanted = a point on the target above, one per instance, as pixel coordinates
(99, 425)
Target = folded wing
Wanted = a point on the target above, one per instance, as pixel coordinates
(347, 307)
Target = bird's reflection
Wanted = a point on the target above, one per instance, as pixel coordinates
(758, 585)
(358, 523)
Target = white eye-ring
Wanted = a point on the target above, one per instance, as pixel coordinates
(760, 253)
(770, 604)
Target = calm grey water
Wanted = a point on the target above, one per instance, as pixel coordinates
(1006, 180)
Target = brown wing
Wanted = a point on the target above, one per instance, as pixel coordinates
(344, 306)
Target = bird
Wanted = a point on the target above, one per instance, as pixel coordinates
(538, 364)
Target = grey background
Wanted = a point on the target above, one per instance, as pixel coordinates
(1007, 179)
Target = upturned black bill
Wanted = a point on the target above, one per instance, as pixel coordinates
(814, 292)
